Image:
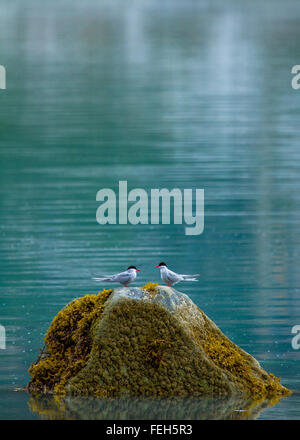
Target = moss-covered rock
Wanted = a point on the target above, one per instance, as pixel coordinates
(152, 341)
(68, 344)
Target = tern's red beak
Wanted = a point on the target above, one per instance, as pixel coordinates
(138, 270)
(156, 266)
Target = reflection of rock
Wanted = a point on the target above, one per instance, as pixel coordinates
(187, 408)
(145, 342)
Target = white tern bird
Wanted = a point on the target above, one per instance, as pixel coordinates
(172, 278)
(124, 278)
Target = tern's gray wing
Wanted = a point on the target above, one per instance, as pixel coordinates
(123, 277)
(171, 277)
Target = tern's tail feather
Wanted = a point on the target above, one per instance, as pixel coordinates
(101, 279)
(191, 277)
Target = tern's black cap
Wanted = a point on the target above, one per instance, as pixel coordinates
(132, 267)
(162, 264)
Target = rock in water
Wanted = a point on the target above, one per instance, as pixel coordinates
(152, 341)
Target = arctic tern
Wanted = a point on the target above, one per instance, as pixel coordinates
(124, 278)
(170, 278)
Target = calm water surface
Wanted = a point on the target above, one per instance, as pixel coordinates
(180, 94)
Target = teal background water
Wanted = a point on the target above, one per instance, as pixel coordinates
(161, 94)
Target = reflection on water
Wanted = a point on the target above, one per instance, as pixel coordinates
(80, 408)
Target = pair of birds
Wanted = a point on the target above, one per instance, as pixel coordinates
(128, 276)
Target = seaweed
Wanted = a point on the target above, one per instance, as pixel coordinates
(67, 344)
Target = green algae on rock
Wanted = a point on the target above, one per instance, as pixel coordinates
(145, 342)
(68, 344)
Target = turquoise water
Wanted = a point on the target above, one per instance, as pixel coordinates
(186, 95)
